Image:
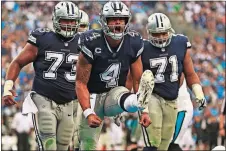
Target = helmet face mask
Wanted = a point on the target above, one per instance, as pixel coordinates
(114, 19)
(159, 30)
(160, 41)
(66, 19)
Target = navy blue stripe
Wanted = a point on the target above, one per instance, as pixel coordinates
(156, 18)
(115, 7)
(67, 8)
(161, 20)
(38, 139)
(144, 132)
(179, 123)
(147, 136)
(72, 9)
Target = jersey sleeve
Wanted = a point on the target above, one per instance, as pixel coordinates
(188, 43)
(85, 47)
(138, 46)
(35, 36)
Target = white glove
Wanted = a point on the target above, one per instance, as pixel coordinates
(199, 96)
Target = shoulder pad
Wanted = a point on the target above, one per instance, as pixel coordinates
(136, 42)
(183, 39)
(134, 33)
(35, 34)
(91, 35)
(40, 31)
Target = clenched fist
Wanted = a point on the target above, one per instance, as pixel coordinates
(94, 121)
(8, 100)
(145, 119)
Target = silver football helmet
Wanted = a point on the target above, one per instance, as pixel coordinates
(84, 21)
(159, 23)
(114, 9)
(67, 11)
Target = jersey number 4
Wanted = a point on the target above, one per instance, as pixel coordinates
(161, 63)
(58, 59)
(111, 75)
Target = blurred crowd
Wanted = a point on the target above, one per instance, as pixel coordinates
(203, 23)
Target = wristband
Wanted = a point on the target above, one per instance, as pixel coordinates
(197, 90)
(87, 112)
(8, 86)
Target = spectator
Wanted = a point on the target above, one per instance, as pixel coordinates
(23, 126)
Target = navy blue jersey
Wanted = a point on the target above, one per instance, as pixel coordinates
(109, 66)
(55, 65)
(166, 64)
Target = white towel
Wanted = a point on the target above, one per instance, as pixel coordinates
(28, 105)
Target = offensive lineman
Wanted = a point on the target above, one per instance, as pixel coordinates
(167, 56)
(53, 54)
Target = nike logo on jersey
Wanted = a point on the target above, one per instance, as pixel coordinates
(164, 54)
(66, 50)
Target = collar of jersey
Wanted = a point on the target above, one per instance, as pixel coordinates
(109, 48)
(65, 40)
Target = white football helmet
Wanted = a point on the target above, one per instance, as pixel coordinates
(68, 11)
(114, 9)
(159, 23)
(84, 21)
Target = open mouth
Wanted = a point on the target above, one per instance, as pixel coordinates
(118, 29)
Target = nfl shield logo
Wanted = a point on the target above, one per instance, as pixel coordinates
(66, 44)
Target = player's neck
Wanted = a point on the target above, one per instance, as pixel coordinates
(112, 42)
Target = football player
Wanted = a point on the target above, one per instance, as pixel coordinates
(167, 56)
(54, 54)
(105, 59)
(184, 115)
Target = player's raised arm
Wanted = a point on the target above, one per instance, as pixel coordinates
(26, 56)
(193, 81)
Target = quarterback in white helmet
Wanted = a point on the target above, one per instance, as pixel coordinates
(107, 54)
